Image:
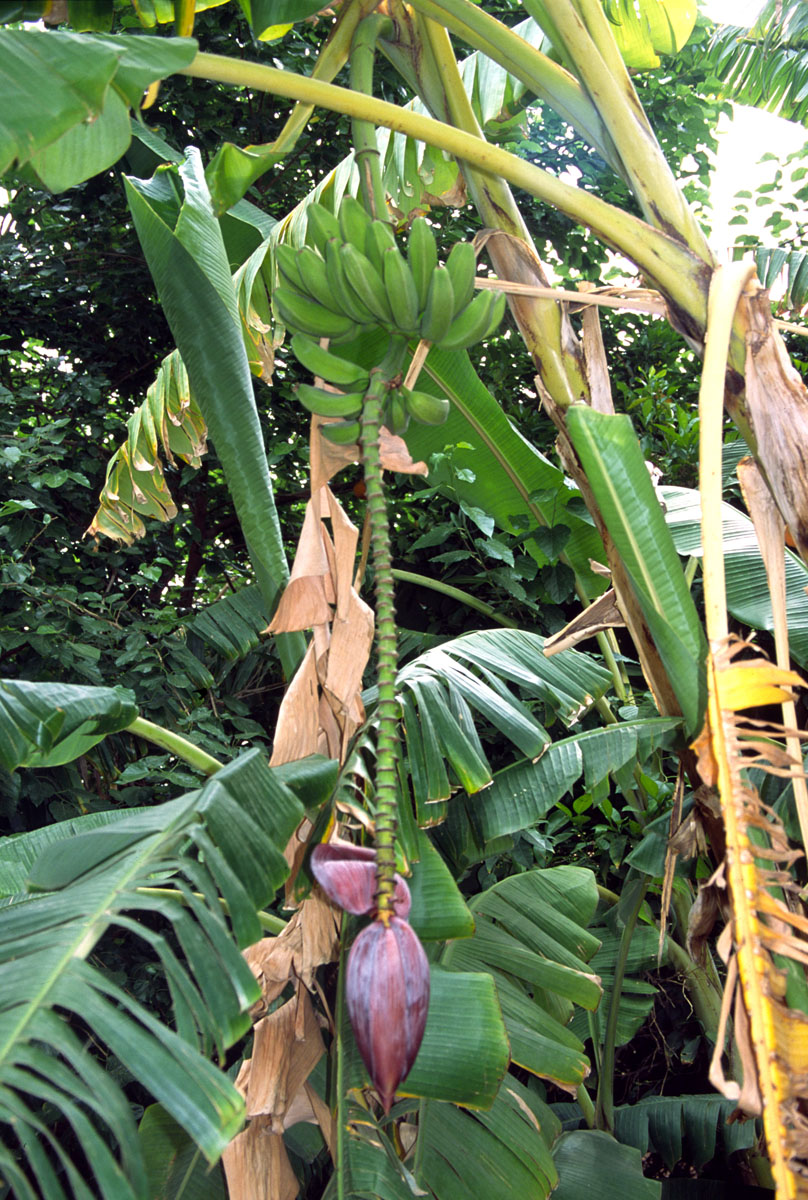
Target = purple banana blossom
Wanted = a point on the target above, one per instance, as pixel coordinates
(387, 992)
(347, 875)
(387, 979)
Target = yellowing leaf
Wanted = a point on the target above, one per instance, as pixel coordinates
(753, 684)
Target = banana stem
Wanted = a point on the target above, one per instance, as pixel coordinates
(175, 744)
(548, 80)
(604, 1108)
(386, 651)
(366, 151)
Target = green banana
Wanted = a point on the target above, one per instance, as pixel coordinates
(439, 309)
(401, 290)
(396, 416)
(422, 255)
(286, 260)
(367, 283)
(498, 312)
(344, 296)
(354, 221)
(379, 237)
(330, 367)
(342, 433)
(475, 322)
(304, 315)
(429, 410)
(462, 266)
(330, 404)
(321, 225)
(314, 278)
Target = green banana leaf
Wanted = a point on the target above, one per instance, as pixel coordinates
(644, 31)
(747, 588)
(232, 626)
(675, 1127)
(46, 724)
(531, 937)
(512, 479)
(615, 467)
(636, 996)
(225, 840)
(66, 99)
(523, 793)
(586, 1156)
(438, 911)
(187, 258)
(174, 1164)
(441, 690)
(500, 1153)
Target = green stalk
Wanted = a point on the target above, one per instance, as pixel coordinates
(547, 80)
(436, 585)
(386, 651)
(590, 45)
(604, 1107)
(666, 263)
(587, 1107)
(339, 1025)
(363, 133)
(176, 745)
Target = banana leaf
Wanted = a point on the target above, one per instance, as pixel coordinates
(747, 589)
(695, 1128)
(186, 255)
(225, 840)
(67, 99)
(615, 467)
(46, 724)
(587, 1155)
(636, 996)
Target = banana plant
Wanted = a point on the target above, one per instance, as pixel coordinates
(572, 60)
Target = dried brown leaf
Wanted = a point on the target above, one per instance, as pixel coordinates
(287, 1045)
(602, 614)
(297, 733)
(257, 1166)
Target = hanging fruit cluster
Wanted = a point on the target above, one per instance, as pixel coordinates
(353, 277)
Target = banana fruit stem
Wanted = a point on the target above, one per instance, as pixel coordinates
(386, 651)
(363, 133)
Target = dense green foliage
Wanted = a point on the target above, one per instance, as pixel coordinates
(83, 337)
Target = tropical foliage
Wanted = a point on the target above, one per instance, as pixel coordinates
(555, 822)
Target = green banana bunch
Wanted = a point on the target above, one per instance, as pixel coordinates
(351, 275)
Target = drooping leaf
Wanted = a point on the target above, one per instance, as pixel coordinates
(523, 794)
(589, 1154)
(45, 724)
(531, 936)
(501, 1152)
(168, 423)
(192, 274)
